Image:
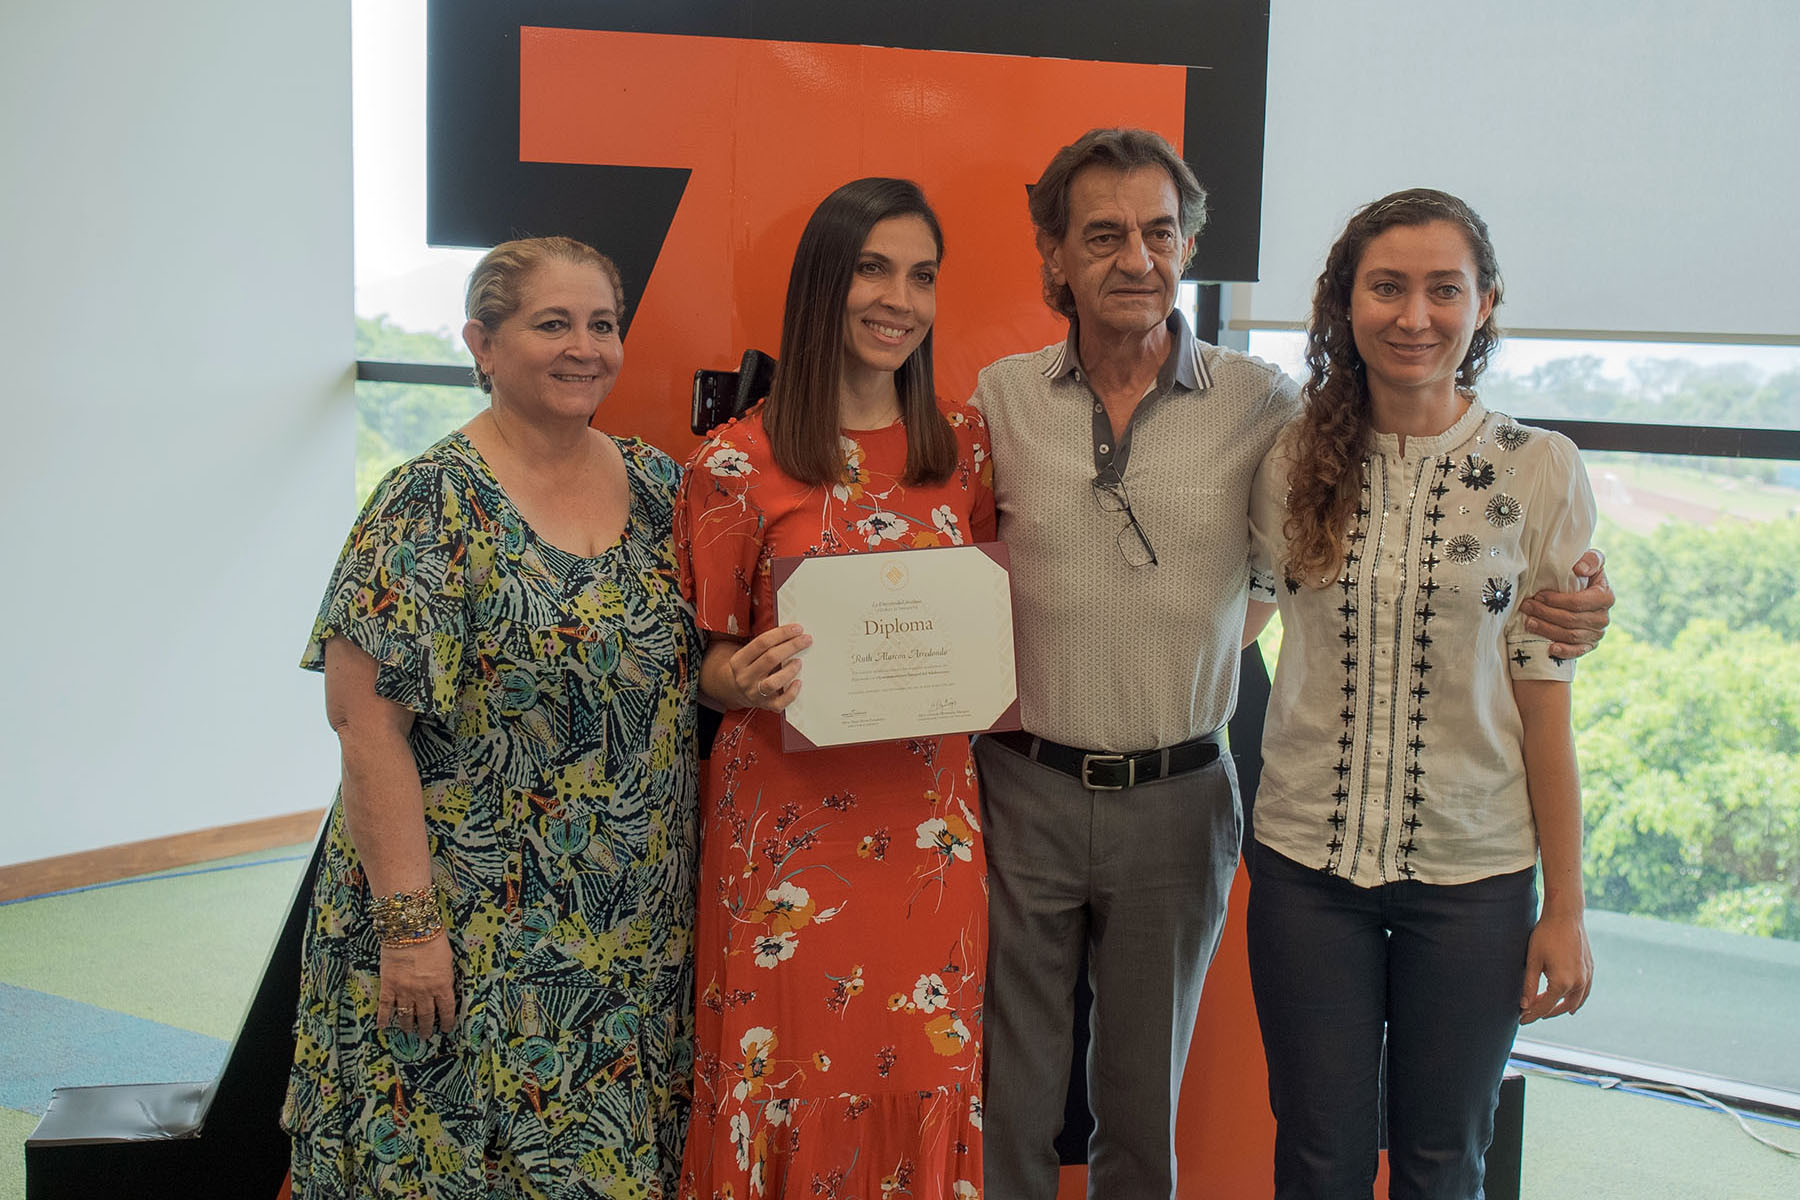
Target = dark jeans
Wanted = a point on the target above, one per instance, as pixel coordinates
(1437, 971)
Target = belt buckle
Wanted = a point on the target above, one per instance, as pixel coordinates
(1087, 762)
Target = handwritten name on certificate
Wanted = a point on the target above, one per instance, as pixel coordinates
(909, 643)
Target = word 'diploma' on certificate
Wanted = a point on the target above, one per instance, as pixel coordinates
(906, 644)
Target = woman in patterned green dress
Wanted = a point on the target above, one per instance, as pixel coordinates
(509, 666)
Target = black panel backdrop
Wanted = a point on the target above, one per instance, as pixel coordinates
(479, 193)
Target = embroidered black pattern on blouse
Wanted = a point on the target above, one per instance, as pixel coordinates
(1463, 548)
(1347, 609)
(1503, 510)
(1422, 667)
(1496, 595)
(1477, 473)
(1510, 436)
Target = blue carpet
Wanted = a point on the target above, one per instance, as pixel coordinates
(54, 1042)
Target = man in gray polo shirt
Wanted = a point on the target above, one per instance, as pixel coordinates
(1123, 460)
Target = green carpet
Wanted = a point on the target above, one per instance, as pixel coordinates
(1610, 1145)
(180, 948)
(185, 950)
(15, 1127)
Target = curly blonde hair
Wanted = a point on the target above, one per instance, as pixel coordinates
(1332, 437)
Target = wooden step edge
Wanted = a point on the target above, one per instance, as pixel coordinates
(108, 863)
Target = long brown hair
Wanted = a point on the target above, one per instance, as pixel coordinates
(801, 415)
(1332, 437)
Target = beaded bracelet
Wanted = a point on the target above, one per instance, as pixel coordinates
(407, 918)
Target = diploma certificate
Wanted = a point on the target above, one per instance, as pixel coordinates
(910, 643)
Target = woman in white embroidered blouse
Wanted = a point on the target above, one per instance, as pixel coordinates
(1418, 754)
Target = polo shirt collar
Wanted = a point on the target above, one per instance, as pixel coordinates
(1185, 365)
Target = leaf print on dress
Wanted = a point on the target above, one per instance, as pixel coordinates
(555, 772)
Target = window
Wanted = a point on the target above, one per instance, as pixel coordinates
(408, 295)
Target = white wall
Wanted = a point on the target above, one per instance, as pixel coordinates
(1634, 159)
(176, 447)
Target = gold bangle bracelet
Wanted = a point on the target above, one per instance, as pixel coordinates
(415, 939)
(407, 918)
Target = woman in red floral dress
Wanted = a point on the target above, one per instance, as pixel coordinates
(842, 935)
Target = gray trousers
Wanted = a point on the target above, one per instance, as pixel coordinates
(1139, 878)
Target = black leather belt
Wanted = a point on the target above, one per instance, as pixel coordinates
(1102, 772)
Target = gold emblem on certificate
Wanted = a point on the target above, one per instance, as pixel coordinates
(910, 643)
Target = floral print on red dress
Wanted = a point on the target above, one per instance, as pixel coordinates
(842, 936)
